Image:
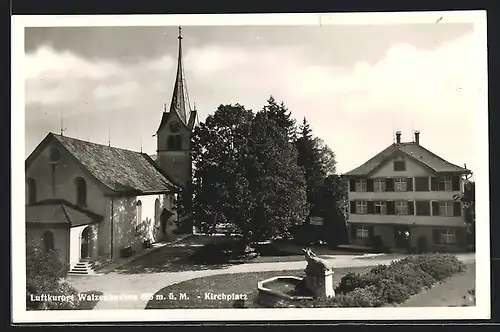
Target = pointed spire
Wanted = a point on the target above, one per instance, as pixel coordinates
(179, 97)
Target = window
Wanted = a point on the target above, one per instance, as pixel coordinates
(400, 184)
(421, 184)
(139, 213)
(48, 240)
(361, 207)
(362, 233)
(379, 185)
(157, 211)
(447, 236)
(380, 208)
(445, 183)
(446, 209)
(81, 191)
(423, 208)
(360, 185)
(399, 165)
(174, 142)
(402, 207)
(31, 188)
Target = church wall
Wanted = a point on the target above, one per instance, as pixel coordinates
(34, 234)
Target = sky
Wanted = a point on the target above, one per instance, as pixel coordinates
(356, 85)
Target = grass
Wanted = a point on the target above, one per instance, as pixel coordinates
(238, 283)
(454, 292)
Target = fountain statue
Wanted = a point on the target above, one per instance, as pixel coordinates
(319, 275)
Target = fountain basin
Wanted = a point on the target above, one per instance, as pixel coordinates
(282, 291)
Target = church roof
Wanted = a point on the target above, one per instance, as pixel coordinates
(412, 150)
(60, 212)
(123, 171)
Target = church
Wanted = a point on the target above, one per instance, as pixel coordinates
(91, 202)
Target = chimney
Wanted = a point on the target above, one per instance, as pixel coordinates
(398, 137)
(417, 137)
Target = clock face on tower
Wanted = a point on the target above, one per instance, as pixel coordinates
(175, 126)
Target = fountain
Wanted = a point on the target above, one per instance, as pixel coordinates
(318, 283)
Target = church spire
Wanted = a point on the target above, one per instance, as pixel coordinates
(180, 99)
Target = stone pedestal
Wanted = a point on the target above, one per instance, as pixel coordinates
(320, 283)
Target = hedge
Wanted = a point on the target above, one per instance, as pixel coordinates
(391, 284)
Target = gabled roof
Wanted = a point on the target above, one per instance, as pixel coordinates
(60, 212)
(122, 171)
(412, 150)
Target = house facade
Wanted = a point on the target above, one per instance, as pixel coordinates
(89, 201)
(404, 199)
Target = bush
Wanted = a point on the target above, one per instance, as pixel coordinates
(45, 287)
(127, 252)
(396, 282)
(223, 252)
(422, 245)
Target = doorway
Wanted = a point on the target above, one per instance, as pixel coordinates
(85, 244)
(165, 216)
(402, 237)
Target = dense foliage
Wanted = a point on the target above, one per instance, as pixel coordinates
(259, 172)
(44, 278)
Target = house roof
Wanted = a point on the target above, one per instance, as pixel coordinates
(414, 151)
(60, 212)
(121, 170)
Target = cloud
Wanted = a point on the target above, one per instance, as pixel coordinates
(434, 90)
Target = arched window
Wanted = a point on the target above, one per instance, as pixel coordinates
(138, 212)
(81, 191)
(157, 211)
(31, 187)
(174, 142)
(48, 240)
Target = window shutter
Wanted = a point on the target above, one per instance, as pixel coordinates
(409, 184)
(411, 208)
(391, 207)
(353, 232)
(389, 184)
(371, 207)
(461, 236)
(434, 183)
(353, 207)
(369, 184)
(436, 236)
(435, 208)
(352, 185)
(455, 183)
(457, 209)
(370, 232)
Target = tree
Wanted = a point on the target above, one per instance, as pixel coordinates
(468, 199)
(334, 211)
(219, 191)
(280, 114)
(277, 181)
(310, 159)
(44, 273)
(327, 157)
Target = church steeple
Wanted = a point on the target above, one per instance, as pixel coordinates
(180, 99)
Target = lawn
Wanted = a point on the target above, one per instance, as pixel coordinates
(452, 293)
(238, 283)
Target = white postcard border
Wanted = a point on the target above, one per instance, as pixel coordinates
(21, 315)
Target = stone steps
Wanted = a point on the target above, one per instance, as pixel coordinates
(82, 268)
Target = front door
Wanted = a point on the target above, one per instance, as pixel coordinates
(85, 244)
(402, 236)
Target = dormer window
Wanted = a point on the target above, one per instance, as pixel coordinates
(399, 165)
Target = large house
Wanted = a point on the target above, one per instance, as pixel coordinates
(90, 201)
(404, 198)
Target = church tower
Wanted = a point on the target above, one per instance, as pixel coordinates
(174, 133)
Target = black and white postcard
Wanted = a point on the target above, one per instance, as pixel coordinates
(231, 166)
